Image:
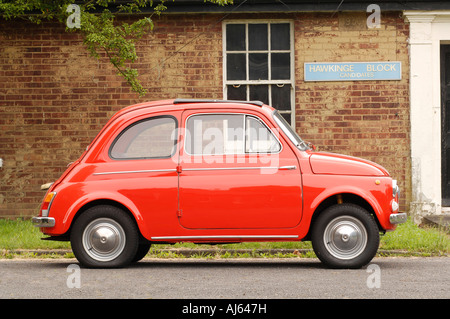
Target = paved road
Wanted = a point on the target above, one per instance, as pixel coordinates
(393, 277)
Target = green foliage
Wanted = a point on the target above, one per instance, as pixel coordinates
(34, 10)
(117, 41)
(410, 237)
(97, 24)
(21, 234)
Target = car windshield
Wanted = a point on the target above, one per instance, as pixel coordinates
(290, 133)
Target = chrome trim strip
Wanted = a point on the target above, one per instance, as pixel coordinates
(288, 167)
(179, 101)
(237, 168)
(134, 172)
(225, 236)
(198, 169)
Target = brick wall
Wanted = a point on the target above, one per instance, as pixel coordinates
(368, 119)
(54, 97)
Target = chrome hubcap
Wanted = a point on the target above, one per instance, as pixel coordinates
(345, 237)
(104, 239)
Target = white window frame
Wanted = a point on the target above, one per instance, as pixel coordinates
(290, 82)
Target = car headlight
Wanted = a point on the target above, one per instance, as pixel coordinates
(394, 206)
(395, 188)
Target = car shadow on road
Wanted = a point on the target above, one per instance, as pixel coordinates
(207, 263)
(228, 263)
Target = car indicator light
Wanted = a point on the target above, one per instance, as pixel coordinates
(47, 203)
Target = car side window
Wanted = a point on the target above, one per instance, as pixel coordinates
(218, 134)
(149, 138)
(214, 134)
(258, 138)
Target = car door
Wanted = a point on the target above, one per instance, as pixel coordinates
(236, 173)
(141, 167)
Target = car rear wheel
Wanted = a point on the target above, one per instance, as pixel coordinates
(345, 236)
(104, 237)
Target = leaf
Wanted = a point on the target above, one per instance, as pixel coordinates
(100, 32)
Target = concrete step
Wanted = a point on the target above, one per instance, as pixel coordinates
(441, 221)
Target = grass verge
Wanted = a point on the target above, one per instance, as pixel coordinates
(20, 238)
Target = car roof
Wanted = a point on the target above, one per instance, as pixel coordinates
(181, 104)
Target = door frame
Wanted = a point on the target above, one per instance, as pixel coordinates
(428, 30)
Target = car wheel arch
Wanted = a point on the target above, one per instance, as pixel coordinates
(340, 198)
(132, 212)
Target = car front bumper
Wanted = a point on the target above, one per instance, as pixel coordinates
(398, 218)
(43, 221)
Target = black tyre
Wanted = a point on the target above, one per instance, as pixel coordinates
(141, 252)
(104, 237)
(345, 236)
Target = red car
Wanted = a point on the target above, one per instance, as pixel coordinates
(215, 172)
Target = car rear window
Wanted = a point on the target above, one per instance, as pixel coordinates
(149, 138)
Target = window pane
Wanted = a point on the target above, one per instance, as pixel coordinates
(259, 139)
(236, 69)
(281, 63)
(152, 138)
(280, 36)
(258, 64)
(235, 37)
(237, 93)
(281, 97)
(215, 134)
(257, 37)
(259, 93)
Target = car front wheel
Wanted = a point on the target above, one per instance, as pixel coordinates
(104, 237)
(345, 236)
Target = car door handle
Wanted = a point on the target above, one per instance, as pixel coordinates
(287, 167)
